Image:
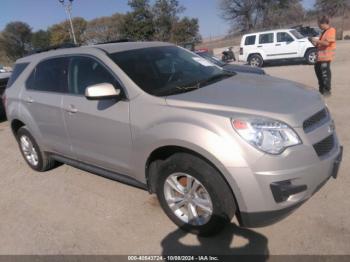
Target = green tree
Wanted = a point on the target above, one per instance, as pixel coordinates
(15, 39)
(40, 39)
(166, 14)
(104, 29)
(61, 33)
(138, 24)
(186, 30)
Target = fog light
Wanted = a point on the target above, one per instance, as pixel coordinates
(282, 190)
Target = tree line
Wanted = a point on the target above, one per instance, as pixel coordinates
(248, 15)
(158, 21)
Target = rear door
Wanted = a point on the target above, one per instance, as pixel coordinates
(266, 45)
(41, 102)
(99, 130)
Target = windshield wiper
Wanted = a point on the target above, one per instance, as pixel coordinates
(201, 83)
(189, 87)
(197, 84)
(215, 78)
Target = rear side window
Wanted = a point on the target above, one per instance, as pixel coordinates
(266, 38)
(250, 40)
(86, 71)
(284, 37)
(17, 71)
(50, 76)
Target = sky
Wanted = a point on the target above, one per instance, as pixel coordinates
(40, 14)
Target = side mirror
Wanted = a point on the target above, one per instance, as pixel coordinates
(101, 91)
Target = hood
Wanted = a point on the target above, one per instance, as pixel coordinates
(256, 95)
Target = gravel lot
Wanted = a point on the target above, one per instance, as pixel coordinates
(69, 211)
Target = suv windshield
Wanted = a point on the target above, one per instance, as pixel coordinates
(168, 70)
(296, 34)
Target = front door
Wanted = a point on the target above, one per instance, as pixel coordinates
(99, 130)
(285, 46)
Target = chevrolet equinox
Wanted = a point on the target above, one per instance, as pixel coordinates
(211, 144)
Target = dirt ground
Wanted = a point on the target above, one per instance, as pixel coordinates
(69, 211)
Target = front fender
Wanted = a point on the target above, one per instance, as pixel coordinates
(221, 151)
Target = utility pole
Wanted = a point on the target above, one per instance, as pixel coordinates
(68, 8)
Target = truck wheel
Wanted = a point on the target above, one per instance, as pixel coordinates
(35, 158)
(255, 60)
(311, 56)
(194, 195)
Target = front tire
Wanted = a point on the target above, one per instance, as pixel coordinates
(255, 60)
(35, 158)
(194, 195)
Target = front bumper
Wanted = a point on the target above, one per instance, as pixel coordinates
(261, 206)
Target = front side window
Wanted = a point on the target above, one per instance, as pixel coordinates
(296, 34)
(50, 76)
(86, 71)
(266, 38)
(250, 40)
(284, 37)
(167, 70)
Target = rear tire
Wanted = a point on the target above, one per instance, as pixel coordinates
(255, 60)
(310, 56)
(203, 206)
(35, 158)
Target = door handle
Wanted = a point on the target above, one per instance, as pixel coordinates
(29, 100)
(259, 46)
(72, 109)
(277, 44)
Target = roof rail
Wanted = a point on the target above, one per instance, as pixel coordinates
(54, 47)
(122, 40)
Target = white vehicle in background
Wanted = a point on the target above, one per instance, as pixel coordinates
(2, 69)
(281, 44)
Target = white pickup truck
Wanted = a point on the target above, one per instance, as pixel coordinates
(281, 44)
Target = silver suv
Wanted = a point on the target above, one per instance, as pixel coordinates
(211, 144)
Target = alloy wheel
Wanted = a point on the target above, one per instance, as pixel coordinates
(188, 199)
(312, 57)
(29, 150)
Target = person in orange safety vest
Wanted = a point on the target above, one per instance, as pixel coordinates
(325, 54)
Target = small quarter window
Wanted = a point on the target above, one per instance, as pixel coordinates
(250, 40)
(17, 71)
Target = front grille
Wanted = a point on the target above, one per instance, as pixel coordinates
(316, 120)
(325, 146)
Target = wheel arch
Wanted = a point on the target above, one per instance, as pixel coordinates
(160, 154)
(308, 49)
(16, 124)
(255, 53)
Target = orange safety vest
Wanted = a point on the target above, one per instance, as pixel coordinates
(327, 53)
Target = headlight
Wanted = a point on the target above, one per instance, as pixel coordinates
(268, 135)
